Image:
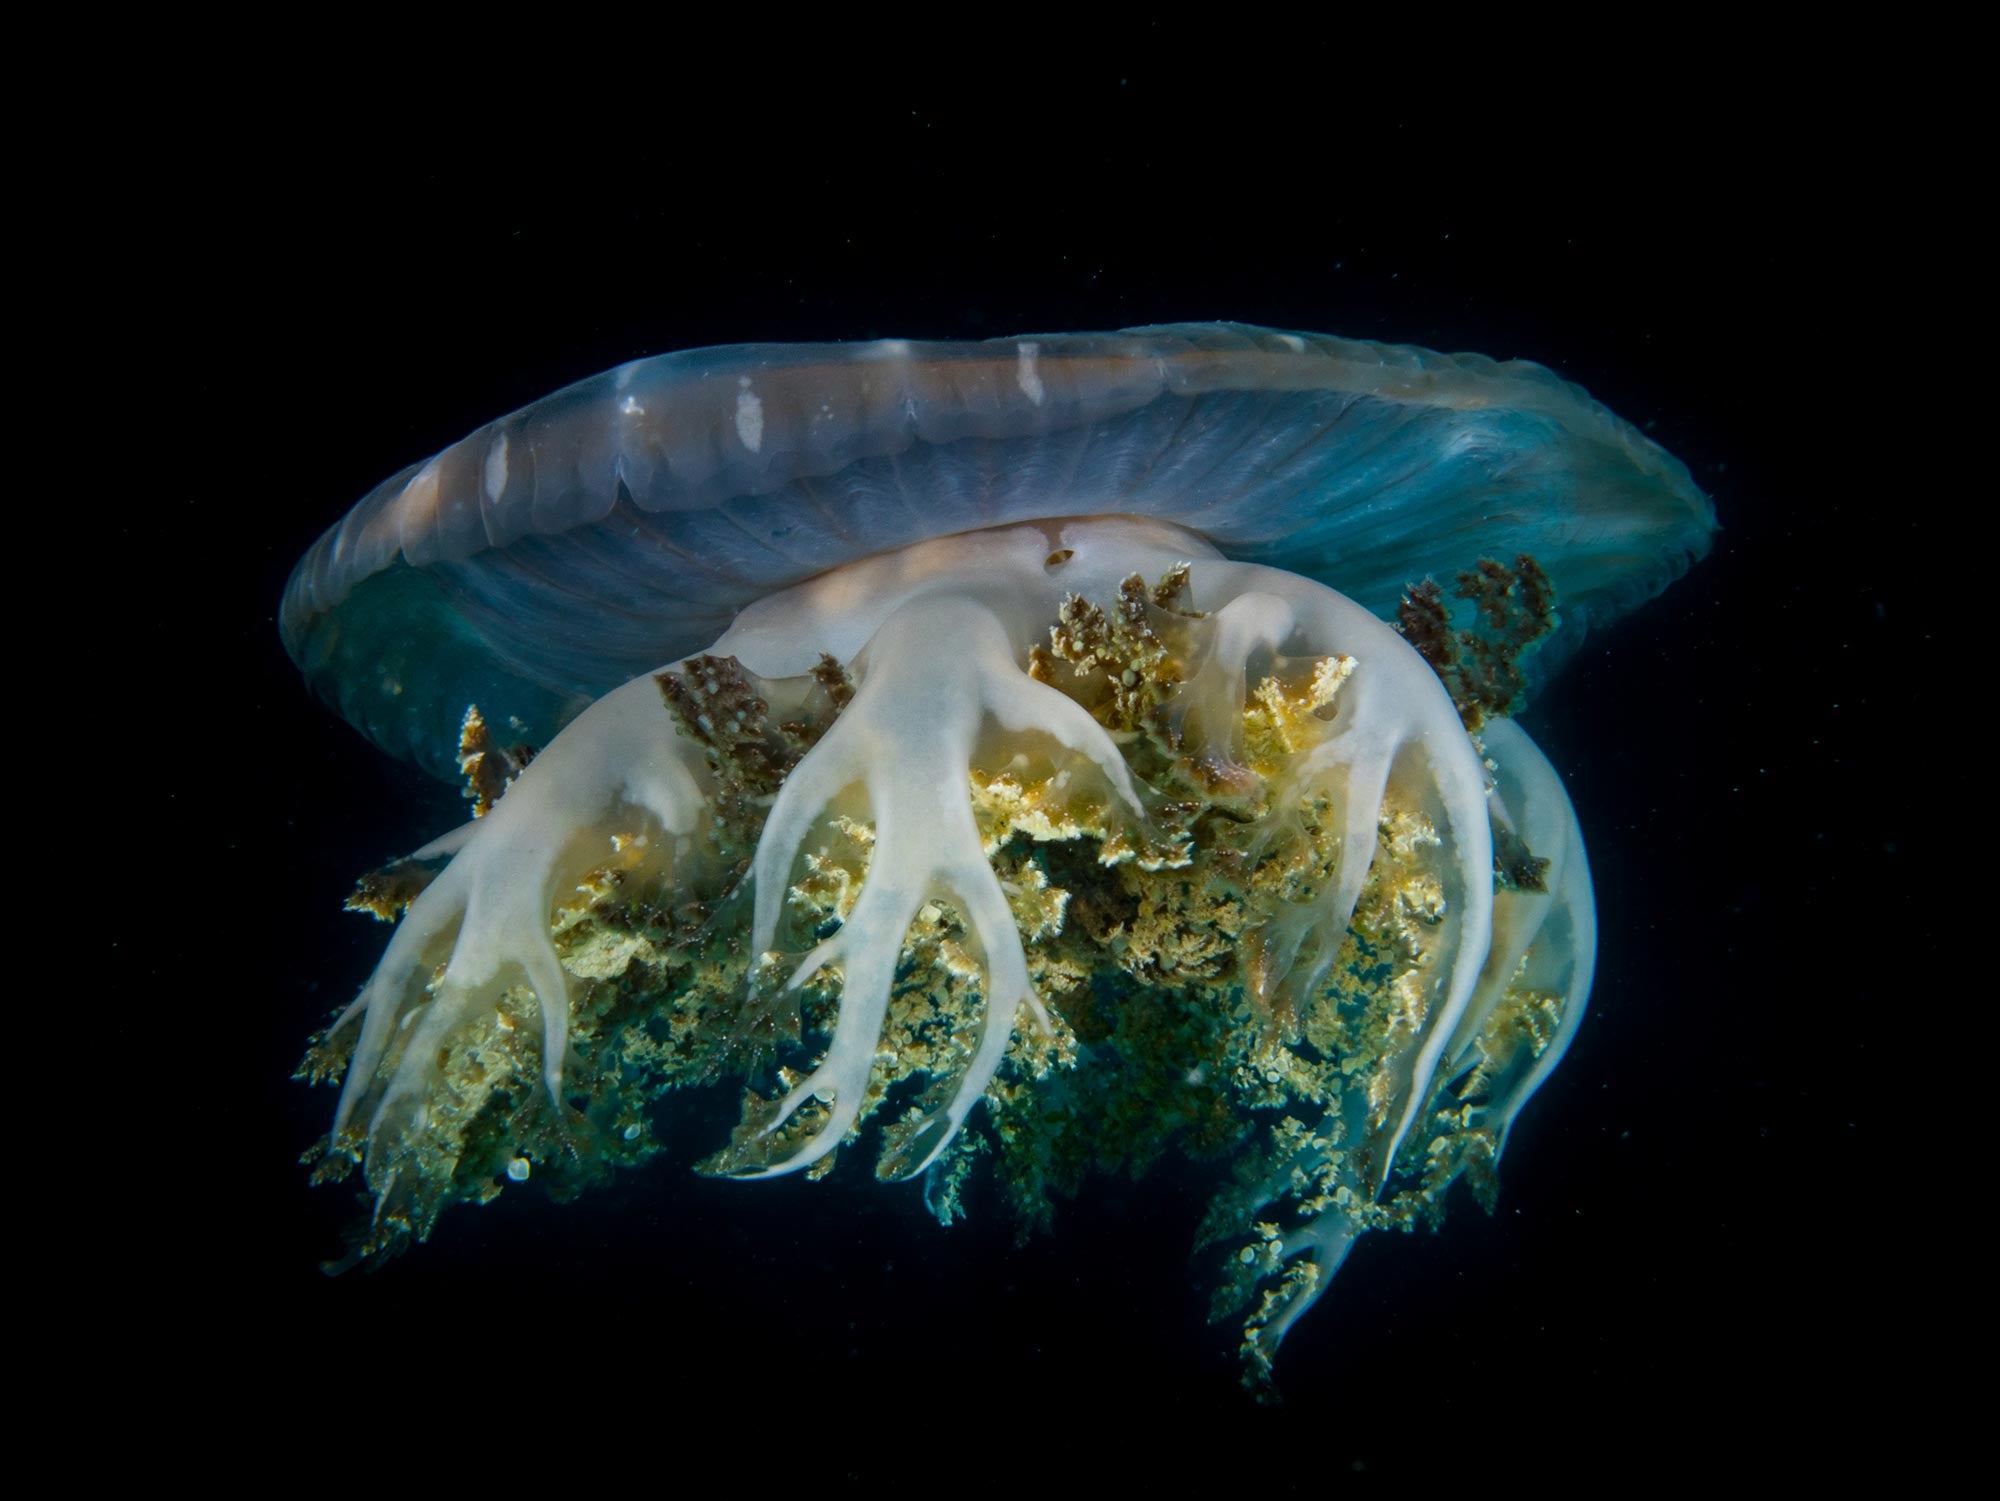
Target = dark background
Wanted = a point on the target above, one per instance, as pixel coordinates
(1686, 1265)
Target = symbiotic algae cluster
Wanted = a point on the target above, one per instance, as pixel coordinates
(1025, 723)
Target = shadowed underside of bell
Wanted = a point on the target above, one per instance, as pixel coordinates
(624, 521)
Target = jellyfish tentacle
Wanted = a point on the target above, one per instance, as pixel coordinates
(1393, 722)
(867, 949)
(1459, 784)
(487, 915)
(1367, 780)
(449, 843)
(1209, 705)
(380, 1003)
(1018, 702)
(1328, 1239)
(909, 736)
(838, 762)
(1361, 782)
(1008, 989)
(901, 871)
(1543, 941)
(664, 784)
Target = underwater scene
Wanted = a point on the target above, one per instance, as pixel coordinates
(1246, 857)
(1066, 809)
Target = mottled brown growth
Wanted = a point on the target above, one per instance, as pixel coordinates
(831, 676)
(837, 689)
(488, 770)
(1513, 607)
(1425, 621)
(1117, 650)
(750, 1150)
(1172, 585)
(714, 705)
(1515, 866)
(719, 706)
(387, 893)
(326, 1057)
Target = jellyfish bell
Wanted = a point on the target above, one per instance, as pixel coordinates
(997, 710)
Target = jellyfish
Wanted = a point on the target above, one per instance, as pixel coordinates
(1109, 730)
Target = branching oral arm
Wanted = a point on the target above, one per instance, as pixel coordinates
(910, 737)
(1394, 722)
(498, 892)
(1541, 957)
(1544, 941)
